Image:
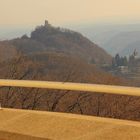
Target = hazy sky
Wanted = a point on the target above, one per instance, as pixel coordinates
(58, 12)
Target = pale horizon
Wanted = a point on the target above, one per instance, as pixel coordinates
(21, 17)
(64, 12)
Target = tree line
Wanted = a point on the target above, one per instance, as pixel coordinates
(124, 61)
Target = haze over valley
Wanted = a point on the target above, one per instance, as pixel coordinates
(88, 41)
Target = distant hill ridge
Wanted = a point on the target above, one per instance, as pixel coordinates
(124, 43)
(49, 38)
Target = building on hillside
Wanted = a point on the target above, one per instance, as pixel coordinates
(123, 69)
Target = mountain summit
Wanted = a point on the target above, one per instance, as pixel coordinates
(70, 42)
(55, 39)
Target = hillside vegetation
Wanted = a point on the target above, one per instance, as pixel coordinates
(49, 38)
(55, 54)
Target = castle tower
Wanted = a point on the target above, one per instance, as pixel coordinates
(47, 23)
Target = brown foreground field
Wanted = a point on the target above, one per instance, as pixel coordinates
(38, 125)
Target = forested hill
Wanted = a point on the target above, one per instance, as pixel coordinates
(49, 38)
